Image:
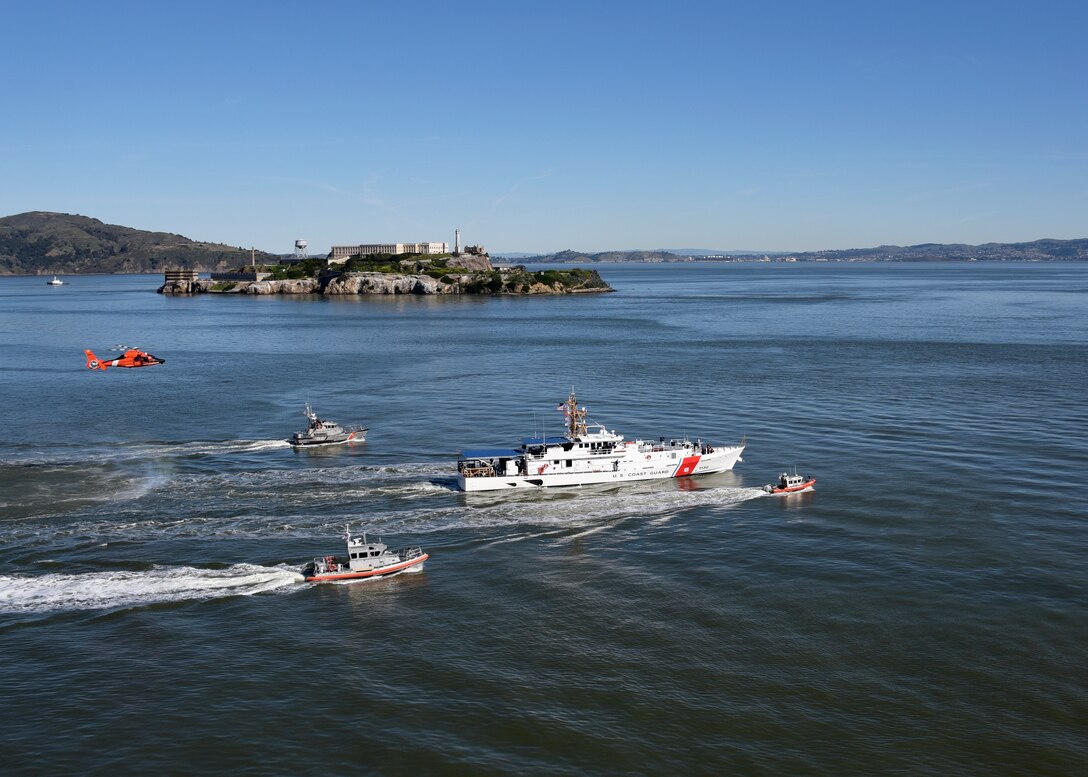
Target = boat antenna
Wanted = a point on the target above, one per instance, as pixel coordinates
(576, 419)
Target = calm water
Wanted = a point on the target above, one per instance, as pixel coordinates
(924, 611)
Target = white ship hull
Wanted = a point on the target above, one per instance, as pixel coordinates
(635, 464)
(583, 457)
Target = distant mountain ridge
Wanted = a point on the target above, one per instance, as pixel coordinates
(1045, 250)
(606, 257)
(41, 242)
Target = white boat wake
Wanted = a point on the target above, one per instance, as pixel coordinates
(24, 594)
(587, 507)
(79, 454)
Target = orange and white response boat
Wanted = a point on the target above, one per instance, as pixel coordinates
(790, 484)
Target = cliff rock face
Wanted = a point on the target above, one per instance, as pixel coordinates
(300, 286)
(514, 280)
(470, 262)
(385, 283)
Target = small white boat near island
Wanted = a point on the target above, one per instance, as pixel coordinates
(584, 457)
(365, 559)
(55, 281)
(324, 432)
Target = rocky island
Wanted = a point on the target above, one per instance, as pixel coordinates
(388, 274)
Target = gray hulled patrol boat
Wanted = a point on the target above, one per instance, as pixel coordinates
(364, 559)
(324, 432)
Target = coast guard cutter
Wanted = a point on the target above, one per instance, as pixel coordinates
(585, 456)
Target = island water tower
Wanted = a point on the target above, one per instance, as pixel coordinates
(300, 250)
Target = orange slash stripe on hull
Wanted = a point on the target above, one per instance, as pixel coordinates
(687, 466)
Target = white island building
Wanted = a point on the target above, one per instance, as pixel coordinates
(340, 254)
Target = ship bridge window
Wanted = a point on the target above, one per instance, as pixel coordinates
(569, 463)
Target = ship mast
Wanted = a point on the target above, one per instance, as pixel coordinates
(576, 419)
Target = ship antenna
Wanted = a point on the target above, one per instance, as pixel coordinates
(576, 419)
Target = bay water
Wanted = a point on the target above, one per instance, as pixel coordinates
(924, 610)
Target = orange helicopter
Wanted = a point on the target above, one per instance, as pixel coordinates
(131, 357)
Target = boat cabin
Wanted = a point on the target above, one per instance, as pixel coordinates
(489, 462)
(364, 555)
(786, 480)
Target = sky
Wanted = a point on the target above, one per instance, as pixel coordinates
(538, 127)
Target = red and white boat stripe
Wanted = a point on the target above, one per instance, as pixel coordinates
(687, 466)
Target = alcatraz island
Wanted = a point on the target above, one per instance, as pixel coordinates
(387, 274)
(392, 268)
(48, 243)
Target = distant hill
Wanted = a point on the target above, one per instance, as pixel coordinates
(571, 257)
(40, 242)
(1037, 251)
(702, 253)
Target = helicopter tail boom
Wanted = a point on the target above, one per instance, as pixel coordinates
(93, 362)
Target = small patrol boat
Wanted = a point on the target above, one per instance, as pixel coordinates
(55, 282)
(323, 432)
(790, 483)
(364, 559)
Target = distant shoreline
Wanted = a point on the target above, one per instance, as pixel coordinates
(157, 273)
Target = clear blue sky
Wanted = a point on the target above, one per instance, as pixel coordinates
(543, 126)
